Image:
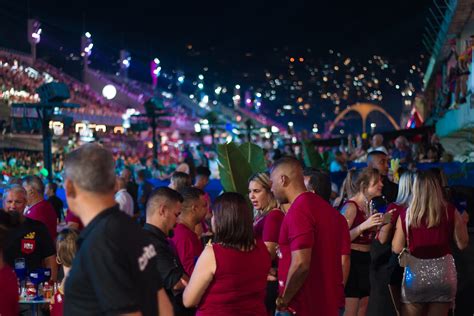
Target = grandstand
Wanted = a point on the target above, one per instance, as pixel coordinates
(448, 100)
(20, 76)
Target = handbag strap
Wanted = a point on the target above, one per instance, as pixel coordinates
(407, 228)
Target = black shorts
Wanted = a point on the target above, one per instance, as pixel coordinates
(358, 283)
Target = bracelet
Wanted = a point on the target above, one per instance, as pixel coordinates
(280, 302)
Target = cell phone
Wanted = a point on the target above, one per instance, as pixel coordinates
(387, 218)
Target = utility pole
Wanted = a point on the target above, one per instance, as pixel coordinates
(52, 96)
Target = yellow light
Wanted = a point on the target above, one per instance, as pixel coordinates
(292, 60)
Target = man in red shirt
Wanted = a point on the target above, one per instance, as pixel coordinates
(309, 268)
(38, 208)
(193, 210)
(320, 183)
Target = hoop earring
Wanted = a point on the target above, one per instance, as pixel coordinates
(58, 261)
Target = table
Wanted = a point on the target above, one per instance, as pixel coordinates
(34, 305)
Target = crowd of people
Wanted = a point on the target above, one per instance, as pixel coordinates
(126, 247)
(19, 81)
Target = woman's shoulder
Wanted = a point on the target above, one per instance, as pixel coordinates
(276, 213)
(349, 206)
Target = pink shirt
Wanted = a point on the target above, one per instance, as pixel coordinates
(44, 212)
(8, 292)
(310, 223)
(239, 283)
(188, 246)
(267, 227)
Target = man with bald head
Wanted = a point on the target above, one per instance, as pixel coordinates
(377, 144)
(309, 269)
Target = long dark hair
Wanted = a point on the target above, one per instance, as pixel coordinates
(233, 222)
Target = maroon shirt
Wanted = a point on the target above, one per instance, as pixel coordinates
(8, 292)
(345, 251)
(310, 223)
(239, 283)
(397, 209)
(44, 212)
(267, 227)
(434, 242)
(367, 236)
(72, 218)
(188, 247)
(56, 307)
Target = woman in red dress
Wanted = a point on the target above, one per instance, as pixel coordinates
(230, 276)
(362, 225)
(266, 226)
(431, 225)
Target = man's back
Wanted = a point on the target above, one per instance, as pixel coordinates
(114, 269)
(312, 223)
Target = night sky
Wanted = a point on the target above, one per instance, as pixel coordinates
(228, 38)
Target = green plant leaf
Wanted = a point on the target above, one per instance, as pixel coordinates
(310, 156)
(254, 156)
(234, 169)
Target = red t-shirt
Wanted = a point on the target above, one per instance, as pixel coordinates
(345, 251)
(188, 246)
(397, 208)
(44, 212)
(56, 306)
(267, 228)
(310, 223)
(434, 242)
(8, 292)
(71, 218)
(239, 283)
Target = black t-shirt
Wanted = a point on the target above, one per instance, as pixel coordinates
(169, 267)
(58, 206)
(29, 240)
(114, 270)
(389, 190)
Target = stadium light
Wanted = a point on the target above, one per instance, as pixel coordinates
(86, 45)
(34, 31)
(155, 70)
(109, 92)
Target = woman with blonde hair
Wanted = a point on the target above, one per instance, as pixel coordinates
(427, 228)
(361, 225)
(267, 223)
(66, 251)
(347, 189)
